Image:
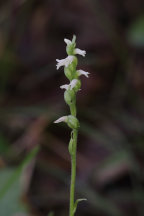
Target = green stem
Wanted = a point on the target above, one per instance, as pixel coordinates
(73, 164)
(73, 109)
(73, 173)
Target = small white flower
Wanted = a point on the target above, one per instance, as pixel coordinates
(73, 83)
(69, 86)
(82, 72)
(64, 62)
(67, 41)
(66, 86)
(61, 119)
(80, 52)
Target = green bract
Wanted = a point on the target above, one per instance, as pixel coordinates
(69, 96)
(73, 122)
(68, 73)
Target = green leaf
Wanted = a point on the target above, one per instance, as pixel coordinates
(76, 203)
(10, 188)
(16, 174)
(10, 202)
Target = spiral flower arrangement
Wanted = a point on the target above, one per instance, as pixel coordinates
(70, 90)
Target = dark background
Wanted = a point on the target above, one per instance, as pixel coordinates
(110, 164)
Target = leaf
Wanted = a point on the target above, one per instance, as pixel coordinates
(76, 203)
(9, 203)
(10, 188)
(16, 174)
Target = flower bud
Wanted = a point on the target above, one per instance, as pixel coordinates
(73, 122)
(70, 49)
(69, 96)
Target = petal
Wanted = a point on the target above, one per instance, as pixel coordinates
(59, 63)
(82, 72)
(80, 52)
(67, 41)
(66, 86)
(61, 119)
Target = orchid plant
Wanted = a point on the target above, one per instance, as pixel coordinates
(71, 89)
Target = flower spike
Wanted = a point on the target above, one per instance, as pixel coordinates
(70, 91)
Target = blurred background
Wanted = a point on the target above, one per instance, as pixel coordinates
(34, 158)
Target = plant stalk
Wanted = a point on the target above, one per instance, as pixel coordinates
(73, 164)
(73, 172)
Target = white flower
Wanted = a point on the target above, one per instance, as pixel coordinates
(64, 62)
(80, 52)
(66, 86)
(67, 41)
(69, 86)
(73, 83)
(61, 119)
(82, 72)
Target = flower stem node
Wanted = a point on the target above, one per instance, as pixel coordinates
(69, 96)
(73, 122)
